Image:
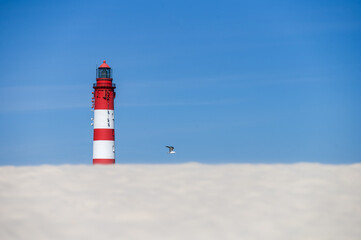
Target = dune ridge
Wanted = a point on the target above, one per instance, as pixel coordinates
(181, 201)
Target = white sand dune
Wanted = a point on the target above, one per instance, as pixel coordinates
(186, 201)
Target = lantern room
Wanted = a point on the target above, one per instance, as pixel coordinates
(104, 71)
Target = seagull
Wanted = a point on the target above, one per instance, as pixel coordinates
(171, 149)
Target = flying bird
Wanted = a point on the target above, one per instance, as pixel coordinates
(171, 149)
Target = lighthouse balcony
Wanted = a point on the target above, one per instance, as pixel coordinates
(110, 85)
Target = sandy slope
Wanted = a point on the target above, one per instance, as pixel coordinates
(188, 201)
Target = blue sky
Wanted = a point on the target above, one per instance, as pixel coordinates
(222, 81)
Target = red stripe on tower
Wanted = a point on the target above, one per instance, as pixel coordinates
(103, 104)
(103, 161)
(103, 134)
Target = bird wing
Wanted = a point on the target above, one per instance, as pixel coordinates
(170, 148)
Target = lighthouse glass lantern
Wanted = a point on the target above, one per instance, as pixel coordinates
(104, 73)
(103, 104)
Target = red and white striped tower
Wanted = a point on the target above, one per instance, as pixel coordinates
(103, 104)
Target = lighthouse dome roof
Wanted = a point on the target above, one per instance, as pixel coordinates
(104, 65)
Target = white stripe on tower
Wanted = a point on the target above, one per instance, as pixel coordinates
(104, 119)
(103, 149)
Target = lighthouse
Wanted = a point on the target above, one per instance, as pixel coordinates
(103, 105)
